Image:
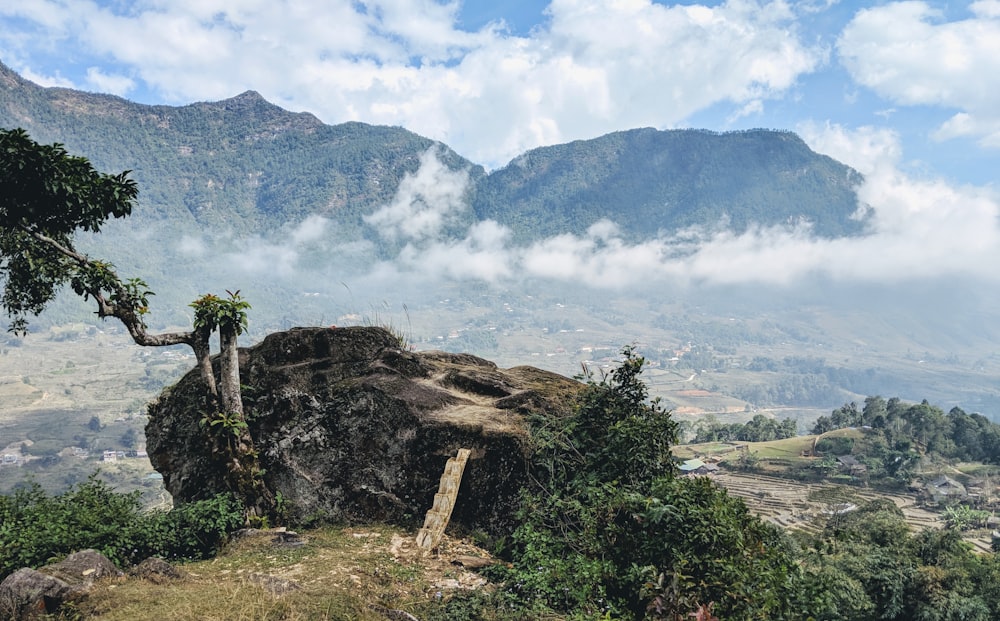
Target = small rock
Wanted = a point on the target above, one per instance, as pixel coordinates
(28, 594)
(288, 539)
(472, 562)
(156, 570)
(82, 568)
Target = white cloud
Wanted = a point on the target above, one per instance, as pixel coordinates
(98, 80)
(592, 67)
(190, 246)
(312, 229)
(47, 80)
(261, 257)
(424, 203)
(481, 255)
(865, 149)
(279, 255)
(908, 54)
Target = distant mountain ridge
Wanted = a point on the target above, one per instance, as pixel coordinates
(650, 181)
(252, 166)
(242, 162)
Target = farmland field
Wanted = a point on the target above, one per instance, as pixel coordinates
(806, 506)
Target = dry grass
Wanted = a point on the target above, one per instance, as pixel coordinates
(787, 449)
(792, 452)
(340, 573)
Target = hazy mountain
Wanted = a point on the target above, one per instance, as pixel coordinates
(650, 181)
(241, 163)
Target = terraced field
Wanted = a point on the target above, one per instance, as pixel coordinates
(806, 507)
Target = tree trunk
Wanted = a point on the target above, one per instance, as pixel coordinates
(229, 377)
(224, 402)
(244, 462)
(203, 356)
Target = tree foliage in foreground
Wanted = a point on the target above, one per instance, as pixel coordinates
(607, 528)
(867, 564)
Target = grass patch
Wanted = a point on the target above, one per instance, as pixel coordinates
(709, 449)
(789, 448)
(977, 469)
(340, 573)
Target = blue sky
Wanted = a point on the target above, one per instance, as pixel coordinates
(494, 78)
(906, 92)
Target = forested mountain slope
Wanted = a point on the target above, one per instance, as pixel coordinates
(242, 162)
(650, 181)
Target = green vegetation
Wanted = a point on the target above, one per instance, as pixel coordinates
(608, 529)
(888, 438)
(36, 528)
(866, 564)
(759, 429)
(897, 434)
(567, 188)
(48, 198)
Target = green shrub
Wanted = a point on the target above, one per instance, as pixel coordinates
(36, 529)
(838, 445)
(609, 531)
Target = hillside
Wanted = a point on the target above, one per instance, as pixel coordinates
(357, 572)
(651, 182)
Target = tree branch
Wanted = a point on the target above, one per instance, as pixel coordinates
(105, 308)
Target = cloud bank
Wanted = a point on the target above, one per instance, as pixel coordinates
(587, 68)
(910, 54)
(919, 229)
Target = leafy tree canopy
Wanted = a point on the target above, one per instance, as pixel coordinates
(46, 196)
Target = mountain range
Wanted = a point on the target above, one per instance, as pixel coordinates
(250, 165)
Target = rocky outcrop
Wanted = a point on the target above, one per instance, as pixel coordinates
(349, 426)
(29, 594)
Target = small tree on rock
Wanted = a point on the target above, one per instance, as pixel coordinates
(46, 197)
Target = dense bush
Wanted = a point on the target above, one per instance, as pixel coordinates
(36, 528)
(607, 529)
(837, 445)
(866, 564)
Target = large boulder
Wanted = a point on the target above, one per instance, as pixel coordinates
(350, 427)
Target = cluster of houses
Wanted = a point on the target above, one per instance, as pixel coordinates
(13, 459)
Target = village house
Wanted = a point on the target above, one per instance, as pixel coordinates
(851, 465)
(696, 467)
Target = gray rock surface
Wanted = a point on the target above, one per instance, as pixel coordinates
(29, 593)
(352, 428)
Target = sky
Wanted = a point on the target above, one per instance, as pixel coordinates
(908, 93)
